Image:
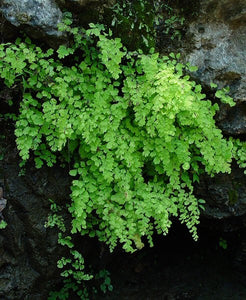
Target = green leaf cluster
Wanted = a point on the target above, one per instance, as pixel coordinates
(137, 130)
(73, 265)
(106, 285)
(239, 152)
(3, 224)
(223, 95)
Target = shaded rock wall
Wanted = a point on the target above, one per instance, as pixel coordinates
(28, 251)
(39, 18)
(218, 49)
(215, 41)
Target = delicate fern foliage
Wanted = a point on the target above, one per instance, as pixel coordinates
(138, 131)
(239, 152)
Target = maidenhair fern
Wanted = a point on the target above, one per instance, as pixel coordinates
(136, 129)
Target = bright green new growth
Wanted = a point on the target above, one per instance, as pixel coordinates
(138, 131)
(3, 224)
(239, 153)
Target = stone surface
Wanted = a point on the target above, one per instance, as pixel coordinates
(217, 47)
(232, 121)
(3, 203)
(225, 195)
(215, 42)
(214, 39)
(39, 18)
(28, 251)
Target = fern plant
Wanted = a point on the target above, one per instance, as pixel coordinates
(137, 130)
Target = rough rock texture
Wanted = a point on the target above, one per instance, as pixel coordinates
(215, 42)
(218, 49)
(28, 251)
(38, 17)
(225, 194)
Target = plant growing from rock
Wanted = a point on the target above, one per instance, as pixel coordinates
(73, 266)
(137, 22)
(137, 130)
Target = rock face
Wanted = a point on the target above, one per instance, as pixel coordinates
(225, 196)
(28, 251)
(218, 49)
(215, 43)
(38, 17)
